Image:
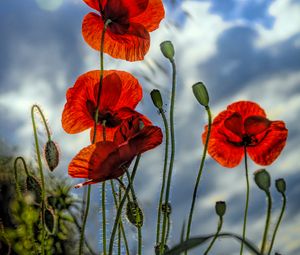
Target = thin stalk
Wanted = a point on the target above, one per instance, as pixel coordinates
(172, 157)
(164, 175)
(268, 217)
(216, 236)
(199, 174)
(16, 174)
(119, 212)
(278, 222)
(140, 241)
(103, 219)
(168, 228)
(247, 201)
(40, 166)
(88, 197)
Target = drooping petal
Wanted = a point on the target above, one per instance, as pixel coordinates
(271, 146)
(256, 124)
(131, 46)
(224, 152)
(246, 109)
(95, 4)
(152, 16)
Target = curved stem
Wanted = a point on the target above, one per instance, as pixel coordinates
(121, 226)
(172, 153)
(215, 237)
(268, 217)
(164, 175)
(16, 174)
(247, 200)
(278, 222)
(119, 212)
(43, 119)
(40, 166)
(199, 174)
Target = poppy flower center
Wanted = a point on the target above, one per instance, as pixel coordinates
(106, 116)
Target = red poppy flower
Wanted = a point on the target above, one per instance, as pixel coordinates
(127, 35)
(120, 94)
(244, 125)
(108, 160)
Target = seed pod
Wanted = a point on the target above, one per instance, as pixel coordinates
(134, 214)
(220, 208)
(167, 50)
(51, 155)
(262, 179)
(281, 185)
(33, 186)
(166, 208)
(201, 94)
(156, 98)
(49, 220)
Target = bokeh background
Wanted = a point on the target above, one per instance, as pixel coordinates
(241, 49)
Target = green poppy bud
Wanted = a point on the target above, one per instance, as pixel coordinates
(34, 187)
(156, 98)
(167, 50)
(262, 179)
(201, 94)
(220, 208)
(51, 155)
(134, 214)
(280, 185)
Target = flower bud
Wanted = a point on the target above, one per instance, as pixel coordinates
(220, 208)
(51, 155)
(262, 179)
(33, 186)
(156, 98)
(166, 208)
(201, 94)
(280, 185)
(134, 214)
(167, 50)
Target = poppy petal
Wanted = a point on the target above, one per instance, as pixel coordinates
(131, 46)
(225, 153)
(95, 4)
(256, 124)
(246, 109)
(109, 133)
(234, 123)
(152, 16)
(270, 147)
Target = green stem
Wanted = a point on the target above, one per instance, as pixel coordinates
(40, 166)
(199, 174)
(140, 241)
(16, 174)
(168, 228)
(268, 217)
(164, 175)
(216, 236)
(172, 153)
(278, 222)
(94, 136)
(247, 200)
(103, 219)
(119, 212)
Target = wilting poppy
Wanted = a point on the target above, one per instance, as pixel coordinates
(108, 160)
(244, 126)
(120, 94)
(127, 35)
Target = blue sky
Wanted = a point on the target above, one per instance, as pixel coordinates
(241, 49)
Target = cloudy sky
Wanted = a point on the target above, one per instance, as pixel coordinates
(241, 49)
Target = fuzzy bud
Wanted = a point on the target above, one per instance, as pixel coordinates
(262, 179)
(201, 94)
(166, 208)
(156, 98)
(51, 155)
(134, 214)
(280, 185)
(220, 208)
(33, 186)
(167, 50)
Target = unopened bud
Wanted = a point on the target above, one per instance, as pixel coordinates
(51, 155)
(134, 214)
(201, 94)
(33, 186)
(167, 49)
(280, 185)
(166, 208)
(156, 98)
(262, 179)
(220, 208)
